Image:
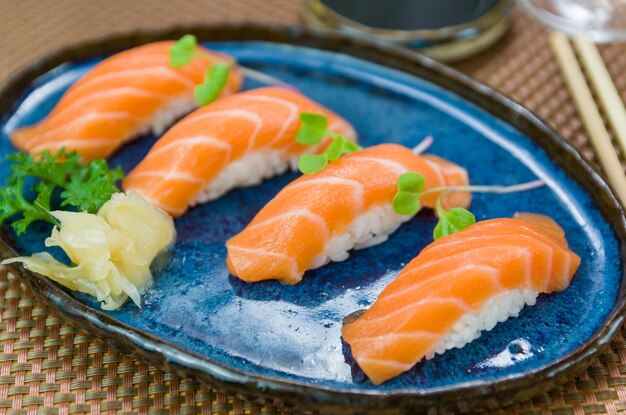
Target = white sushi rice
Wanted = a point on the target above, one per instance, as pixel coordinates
(167, 115)
(369, 229)
(249, 170)
(496, 310)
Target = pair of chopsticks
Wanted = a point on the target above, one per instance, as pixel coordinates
(588, 111)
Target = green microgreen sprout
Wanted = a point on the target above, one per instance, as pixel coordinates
(183, 51)
(451, 221)
(312, 163)
(186, 50)
(407, 199)
(85, 186)
(411, 189)
(314, 129)
(210, 89)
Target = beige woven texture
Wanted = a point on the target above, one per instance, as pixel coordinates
(50, 367)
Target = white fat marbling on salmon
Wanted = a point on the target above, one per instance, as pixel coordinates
(138, 92)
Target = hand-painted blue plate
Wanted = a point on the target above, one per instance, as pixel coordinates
(284, 342)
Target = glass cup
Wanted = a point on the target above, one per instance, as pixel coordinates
(446, 30)
(600, 20)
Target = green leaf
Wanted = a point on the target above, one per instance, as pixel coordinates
(183, 51)
(214, 81)
(411, 182)
(44, 196)
(12, 202)
(310, 136)
(313, 120)
(405, 203)
(312, 163)
(451, 221)
(350, 147)
(84, 186)
(313, 128)
(335, 148)
(30, 216)
(51, 168)
(92, 187)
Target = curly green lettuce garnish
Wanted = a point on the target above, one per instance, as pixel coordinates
(313, 129)
(411, 189)
(28, 190)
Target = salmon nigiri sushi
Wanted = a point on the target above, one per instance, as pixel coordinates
(122, 97)
(234, 142)
(458, 286)
(318, 218)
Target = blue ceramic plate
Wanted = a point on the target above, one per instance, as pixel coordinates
(283, 339)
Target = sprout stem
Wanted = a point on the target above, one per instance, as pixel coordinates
(521, 187)
(262, 77)
(423, 145)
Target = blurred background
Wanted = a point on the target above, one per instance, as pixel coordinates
(513, 57)
(448, 30)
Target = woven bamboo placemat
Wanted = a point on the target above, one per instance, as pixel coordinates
(50, 367)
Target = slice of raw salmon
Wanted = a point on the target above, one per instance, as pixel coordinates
(459, 276)
(122, 97)
(319, 217)
(234, 142)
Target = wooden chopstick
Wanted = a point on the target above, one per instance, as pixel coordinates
(603, 86)
(589, 113)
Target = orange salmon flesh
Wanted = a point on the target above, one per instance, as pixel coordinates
(202, 145)
(293, 228)
(118, 99)
(451, 277)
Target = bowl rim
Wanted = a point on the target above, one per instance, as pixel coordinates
(294, 393)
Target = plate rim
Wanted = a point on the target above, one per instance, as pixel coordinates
(295, 393)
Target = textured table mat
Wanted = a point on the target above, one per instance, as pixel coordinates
(50, 367)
